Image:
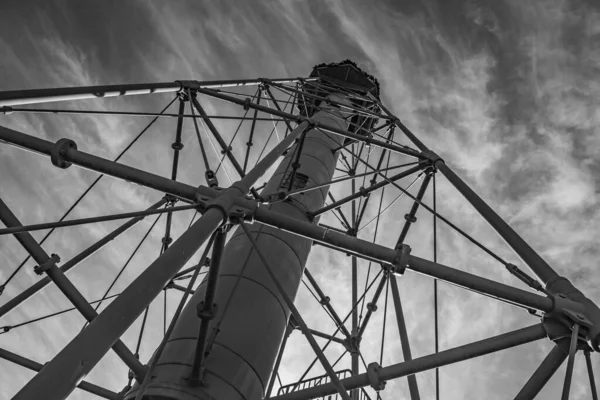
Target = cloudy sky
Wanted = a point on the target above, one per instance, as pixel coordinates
(505, 91)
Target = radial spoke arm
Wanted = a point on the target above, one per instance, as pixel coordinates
(542, 375)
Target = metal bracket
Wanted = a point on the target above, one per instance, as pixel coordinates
(51, 262)
(374, 379)
(401, 261)
(59, 151)
(432, 157)
(565, 308)
(206, 313)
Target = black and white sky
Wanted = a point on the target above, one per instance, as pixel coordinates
(506, 91)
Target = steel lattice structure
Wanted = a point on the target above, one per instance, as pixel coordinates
(228, 334)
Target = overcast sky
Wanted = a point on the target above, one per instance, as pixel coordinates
(506, 92)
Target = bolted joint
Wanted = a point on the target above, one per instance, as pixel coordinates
(410, 218)
(401, 261)
(368, 141)
(206, 313)
(240, 213)
(352, 344)
(6, 110)
(177, 146)
(51, 262)
(247, 102)
(363, 192)
(296, 165)
(352, 232)
(432, 157)
(276, 197)
(59, 151)
(6, 328)
(167, 240)
(351, 172)
(325, 300)
(211, 179)
(227, 150)
(374, 378)
(372, 307)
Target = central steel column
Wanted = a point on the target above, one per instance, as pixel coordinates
(251, 314)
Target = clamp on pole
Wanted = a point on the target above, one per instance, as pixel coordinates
(59, 151)
(51, 262)
(401, 261)
(374, 379)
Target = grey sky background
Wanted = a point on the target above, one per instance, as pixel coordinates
(505, 91)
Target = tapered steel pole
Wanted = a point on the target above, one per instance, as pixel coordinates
(251, 313)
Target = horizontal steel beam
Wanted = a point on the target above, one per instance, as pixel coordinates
(34, 96)
(446, 357)
(35, 366)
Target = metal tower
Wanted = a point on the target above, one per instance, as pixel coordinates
(323, 136)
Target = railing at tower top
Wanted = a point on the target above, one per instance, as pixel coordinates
(321, 380)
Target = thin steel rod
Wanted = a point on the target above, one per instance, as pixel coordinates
(39, 285)
(276, 104)
(326, 336)
(325, 301)
(8, 328)
(435, 290)
(206, 310)
(297, 317)
(411, 216)
(446, 357)
(570, 363)
(544, 372)
(66, 286)
(346, 178)
(364, 191)
(9, 110)
(590, 369)
(92, 220)
(35, 366)
(249, 143)
(19, 97)
(412, 379)
(370, 310)
(288, 330)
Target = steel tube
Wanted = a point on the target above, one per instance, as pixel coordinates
(446, 357)
(570, 363)
(91, 220)
(412, 379)
(206, 309)
(288, 330)
(542, 375)
(378, 291)
(590, 369)
(60, 375)
(66, 286)
(19, 97)
(35, 366)
(39, 285)
(325, 301)
(387, 255)
(411, 216)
